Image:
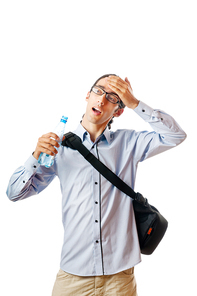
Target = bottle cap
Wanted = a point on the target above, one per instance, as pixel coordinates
(64, 119)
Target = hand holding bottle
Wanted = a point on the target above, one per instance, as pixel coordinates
(46, 144)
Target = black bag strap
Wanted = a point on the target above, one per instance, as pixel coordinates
(74, 142)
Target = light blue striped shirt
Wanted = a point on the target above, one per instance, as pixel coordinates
(100, 235)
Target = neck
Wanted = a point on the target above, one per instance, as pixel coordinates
(95, 130)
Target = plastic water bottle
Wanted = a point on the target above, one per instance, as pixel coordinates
(48, 160)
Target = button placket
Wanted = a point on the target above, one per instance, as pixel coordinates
(96, 218)
(96, 210)
(96, 183)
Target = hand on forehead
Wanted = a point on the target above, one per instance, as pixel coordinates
(118, 85)
(117, 81)
(123, 89)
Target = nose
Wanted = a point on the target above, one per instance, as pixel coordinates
(100, 103)
(101, 100)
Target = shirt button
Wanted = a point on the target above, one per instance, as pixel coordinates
(96, 202)
(96, 183)
(23, 181)
(97, 241)
(143, 110)
(34, 166)
(96, 221)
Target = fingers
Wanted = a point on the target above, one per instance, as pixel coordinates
(47, 144)
(118, 85)
(49, 141)
(52, 135)
(127, 80)
(124, 90)
(116, 82)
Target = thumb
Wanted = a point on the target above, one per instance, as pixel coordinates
(127, 80)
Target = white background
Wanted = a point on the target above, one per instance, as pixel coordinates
(51, 52)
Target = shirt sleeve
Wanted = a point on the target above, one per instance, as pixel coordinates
(29, 180)
(166, 132)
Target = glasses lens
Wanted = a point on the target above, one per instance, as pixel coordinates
(112, 98)
(98, 91)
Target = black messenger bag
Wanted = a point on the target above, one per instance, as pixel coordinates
(151, 225)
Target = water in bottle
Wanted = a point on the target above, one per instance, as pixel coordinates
(48, 160)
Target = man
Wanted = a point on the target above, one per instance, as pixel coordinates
(101, 245)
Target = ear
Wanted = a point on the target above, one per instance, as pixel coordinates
(88, 95)
(118, 112)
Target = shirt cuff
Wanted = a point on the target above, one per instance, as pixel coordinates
(144, 111)
(31, 165)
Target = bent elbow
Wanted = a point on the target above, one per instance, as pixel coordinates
(183, 136)
(10, 195)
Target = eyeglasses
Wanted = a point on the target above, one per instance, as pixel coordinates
(112, 98)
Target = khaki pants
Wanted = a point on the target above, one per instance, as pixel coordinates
(122, 284)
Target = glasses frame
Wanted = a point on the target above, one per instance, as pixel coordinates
(106, 94)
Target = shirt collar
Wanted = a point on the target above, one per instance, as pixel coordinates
(82, 133)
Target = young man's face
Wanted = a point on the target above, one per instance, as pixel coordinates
(99, 110)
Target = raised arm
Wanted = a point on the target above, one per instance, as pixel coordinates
(167, 132)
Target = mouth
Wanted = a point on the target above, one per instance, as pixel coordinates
(96, 111)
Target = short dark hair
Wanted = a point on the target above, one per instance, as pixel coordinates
(121, 104)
